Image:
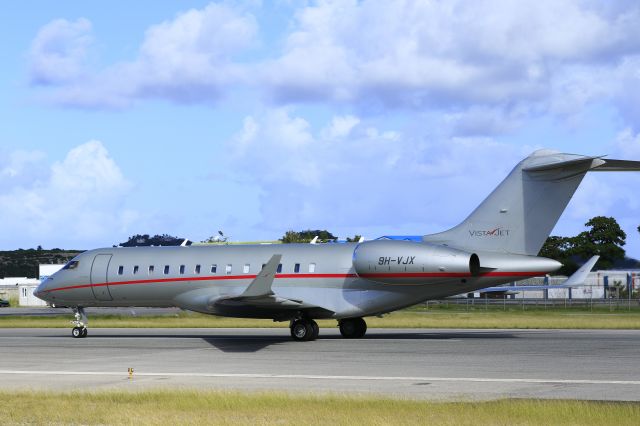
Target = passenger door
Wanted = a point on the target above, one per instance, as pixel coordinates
(99, 277)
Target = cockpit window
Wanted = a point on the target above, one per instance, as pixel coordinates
(71, 265)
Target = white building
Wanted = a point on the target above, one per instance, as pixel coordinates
(45, 271)
(25, 292)
(593, 287)
(9, 286)
(26, 286)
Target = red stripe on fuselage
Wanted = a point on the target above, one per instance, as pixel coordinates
(448, 274)
(212, 278)
(306, 276)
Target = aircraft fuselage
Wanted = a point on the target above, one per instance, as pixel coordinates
(324, 277)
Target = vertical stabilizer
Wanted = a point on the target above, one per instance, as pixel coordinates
(518, 216)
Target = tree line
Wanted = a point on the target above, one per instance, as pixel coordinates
(604, 237)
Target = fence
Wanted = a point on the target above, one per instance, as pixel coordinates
(504, 303)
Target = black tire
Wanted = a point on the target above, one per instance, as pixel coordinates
(362, 328)
(316, 330)
(353, 328)
(301, 330)
(85, 331)
(77, 332)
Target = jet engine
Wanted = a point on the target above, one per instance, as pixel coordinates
(407, 262)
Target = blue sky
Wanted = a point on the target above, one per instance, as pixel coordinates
(257, 117)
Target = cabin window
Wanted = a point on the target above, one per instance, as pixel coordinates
(182, 268)
(166, 269)
(214, 269)
(279, 267)
(227, 269)
(196, 270)
(245, 268)
(312, 268)
(151, 268)
(120, 270)
(296, 268)
(135, 269)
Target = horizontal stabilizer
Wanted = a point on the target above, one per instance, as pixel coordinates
(618, 166)
(565, 163)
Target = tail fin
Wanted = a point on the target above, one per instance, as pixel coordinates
(518, 216)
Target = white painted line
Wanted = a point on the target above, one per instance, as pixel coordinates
(323, 377)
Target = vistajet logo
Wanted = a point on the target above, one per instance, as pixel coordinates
(496, 232)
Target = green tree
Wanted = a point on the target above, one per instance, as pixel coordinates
(139, 240)
(560, 249)
(355, 239)
(605, 238)
(306, 236)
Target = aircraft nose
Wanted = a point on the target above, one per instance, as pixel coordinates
(39, 291)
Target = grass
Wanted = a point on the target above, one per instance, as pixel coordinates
(219, 407)
(432, 318)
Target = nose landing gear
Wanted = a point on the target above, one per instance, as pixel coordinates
(80, 323)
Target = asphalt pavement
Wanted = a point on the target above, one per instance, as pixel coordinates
(416, 363)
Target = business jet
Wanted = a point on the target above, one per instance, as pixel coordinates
(299, 283)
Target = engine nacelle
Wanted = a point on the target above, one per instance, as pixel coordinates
(407, 262)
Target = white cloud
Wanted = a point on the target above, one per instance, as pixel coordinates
(627, 144)
(20, 167)
(627, 90)
(75, 202)
(493, 62)
(187, 59)
(350, 173)
(609, 194)
(59, 50)
(341, 127)
(496, 59)
(417, 53)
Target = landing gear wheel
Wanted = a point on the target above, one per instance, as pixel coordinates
(316, 330)
(304, 330)
(352, 328)
(80, 323)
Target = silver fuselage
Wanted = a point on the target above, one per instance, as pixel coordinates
(325, 280)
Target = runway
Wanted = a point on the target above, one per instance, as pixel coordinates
(423, 364)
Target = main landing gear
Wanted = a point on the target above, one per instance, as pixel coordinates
(304, 329)
(80, 323)
(352, 328)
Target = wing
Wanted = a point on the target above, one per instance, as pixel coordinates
(581, 274)
(260, 299)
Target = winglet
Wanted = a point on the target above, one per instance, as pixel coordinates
(581, 274)
(315, 240)
(261, 285)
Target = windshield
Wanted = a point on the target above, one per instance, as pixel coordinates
(71, 265)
